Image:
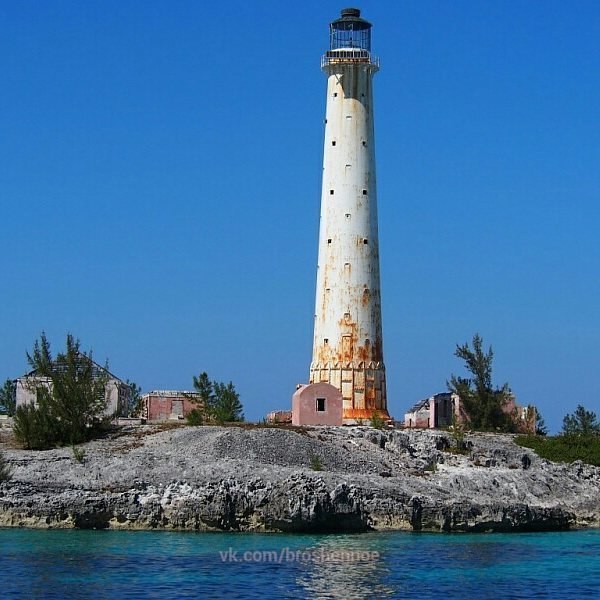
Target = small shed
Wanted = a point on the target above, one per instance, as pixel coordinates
(317, 404)
(279, 416)
(435, 411)
(169, 405)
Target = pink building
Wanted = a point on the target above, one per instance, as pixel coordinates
(168, 405)
(317, 404)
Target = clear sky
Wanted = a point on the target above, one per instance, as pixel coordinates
(160, 179)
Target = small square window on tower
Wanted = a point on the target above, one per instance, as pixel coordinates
(320, 404)
(364, 192)
(333, 143)
(331, 192)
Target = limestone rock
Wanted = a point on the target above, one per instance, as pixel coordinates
(260, 479)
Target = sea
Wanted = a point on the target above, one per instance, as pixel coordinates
(160, 564)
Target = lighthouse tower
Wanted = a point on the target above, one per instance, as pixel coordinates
(348, 344)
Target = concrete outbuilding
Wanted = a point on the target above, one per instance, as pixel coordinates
(169, 405)
(436, 411)
(317, 404)
(117, 393)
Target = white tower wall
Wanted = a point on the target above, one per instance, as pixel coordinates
(348, 343)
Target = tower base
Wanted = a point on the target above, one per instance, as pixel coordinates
(354, 416)
(362, 387)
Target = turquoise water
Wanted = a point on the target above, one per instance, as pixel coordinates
(116, 564)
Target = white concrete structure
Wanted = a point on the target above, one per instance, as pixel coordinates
(348, 343)
(116, 392)
(436, 411)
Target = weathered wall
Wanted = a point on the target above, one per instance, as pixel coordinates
(163, 407)
(304, 405)
(348, 341)
(116, 394)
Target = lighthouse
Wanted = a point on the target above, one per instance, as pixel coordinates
(348, 342)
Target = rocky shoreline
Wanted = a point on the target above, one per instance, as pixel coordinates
(264, 479)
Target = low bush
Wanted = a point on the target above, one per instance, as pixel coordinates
(79, 454)
(35, 428)
(377, 421)
(5, 470)
(431, 467)
(564, 448)
(315, 463)
(195, 417)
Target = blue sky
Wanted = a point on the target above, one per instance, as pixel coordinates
(160, 179)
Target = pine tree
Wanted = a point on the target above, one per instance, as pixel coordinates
(227, 405)
(134, 404)
(581, 422)
(206, 395)
(540, 424)
(481, 402)
(70, 396)
(218, 402)
(8, 397)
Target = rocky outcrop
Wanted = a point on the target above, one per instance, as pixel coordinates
(261, 479)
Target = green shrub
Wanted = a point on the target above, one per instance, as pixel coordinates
(219, 402)
(315, 463)
(70, 398)
(195, 417)
(79, 454)
(458, 434)
(8, 398)
(482, 403)
(35, 428)
(581, 422)
(431, 467)
(5, 470)
(377, 421)
(564, 448)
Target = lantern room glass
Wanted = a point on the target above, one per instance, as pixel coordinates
(350, 31)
